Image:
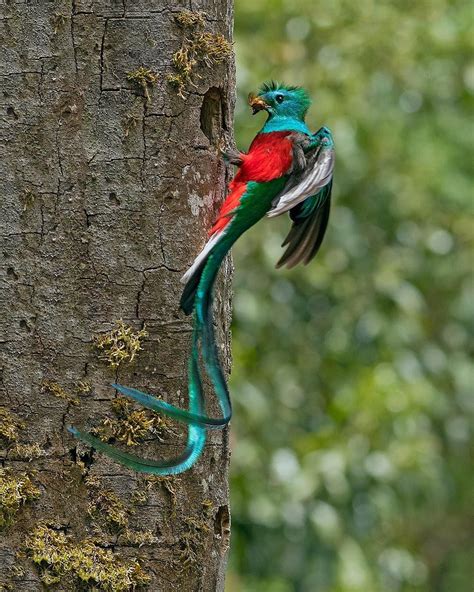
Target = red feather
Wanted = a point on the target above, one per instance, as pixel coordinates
(270, 156)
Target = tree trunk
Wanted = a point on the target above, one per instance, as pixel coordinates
(111, 176)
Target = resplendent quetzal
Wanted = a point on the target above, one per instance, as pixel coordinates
(287, 169)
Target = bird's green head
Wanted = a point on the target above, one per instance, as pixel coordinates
(281, 100)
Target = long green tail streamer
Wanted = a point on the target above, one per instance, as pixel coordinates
(196, 433)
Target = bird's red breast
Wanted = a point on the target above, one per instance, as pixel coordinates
(270, 156)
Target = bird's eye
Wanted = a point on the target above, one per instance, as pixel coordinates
(279, 98)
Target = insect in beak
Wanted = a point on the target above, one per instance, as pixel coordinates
(257, 103)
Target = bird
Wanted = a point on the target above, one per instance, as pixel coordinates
(286, 169)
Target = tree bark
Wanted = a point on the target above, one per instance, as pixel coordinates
(110, 182)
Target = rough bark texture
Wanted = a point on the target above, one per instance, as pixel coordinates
(106, 198)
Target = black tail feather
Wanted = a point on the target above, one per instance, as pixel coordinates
(189, 293)
(305, 236)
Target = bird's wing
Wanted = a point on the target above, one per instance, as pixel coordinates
(307, 197)
(310, 220)
(306, 182)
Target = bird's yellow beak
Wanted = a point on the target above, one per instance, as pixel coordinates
(257, 103)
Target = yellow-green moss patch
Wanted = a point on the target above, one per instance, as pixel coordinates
(144, 78)
(104, 505)
(130, 426)
(58, 556)
(109, 514)
(198, 47)
(83, 388)
(10, 426)
(137, 538)
(26, 451)
(120, 344)
(53, 388)
(188, 19)
(192, 542)
(16, 490)
(194, 537)
(212, 49)
(146, 483)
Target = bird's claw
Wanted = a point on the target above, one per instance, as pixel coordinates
(232, 157)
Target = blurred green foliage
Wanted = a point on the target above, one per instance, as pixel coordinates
(351, 383)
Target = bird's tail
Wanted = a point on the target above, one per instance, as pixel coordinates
(196, 433)
(203, 319)
(200, 283)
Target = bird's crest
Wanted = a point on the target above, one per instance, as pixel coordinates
(273, 85)
(298, 92)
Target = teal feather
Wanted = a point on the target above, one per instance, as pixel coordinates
(284, 123)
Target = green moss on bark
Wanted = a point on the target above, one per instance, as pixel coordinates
(198, 47)
(16, 490)
(58, 557)
(120, 345)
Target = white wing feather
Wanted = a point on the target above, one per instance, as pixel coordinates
(310, 184)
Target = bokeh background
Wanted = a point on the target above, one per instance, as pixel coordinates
(351, 383)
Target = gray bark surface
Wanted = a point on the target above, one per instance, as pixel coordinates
(106, 199)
